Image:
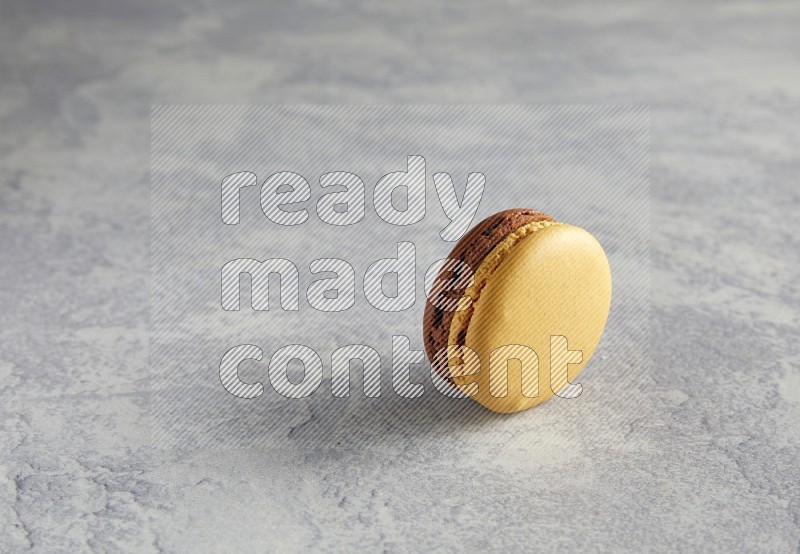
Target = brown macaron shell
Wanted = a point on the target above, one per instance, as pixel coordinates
(471, 250)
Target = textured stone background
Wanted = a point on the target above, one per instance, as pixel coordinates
(710, 463)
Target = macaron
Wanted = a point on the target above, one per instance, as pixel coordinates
(517, 310)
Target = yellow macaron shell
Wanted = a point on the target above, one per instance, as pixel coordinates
(545, 281)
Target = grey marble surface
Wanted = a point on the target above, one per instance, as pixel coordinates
(709, 463)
